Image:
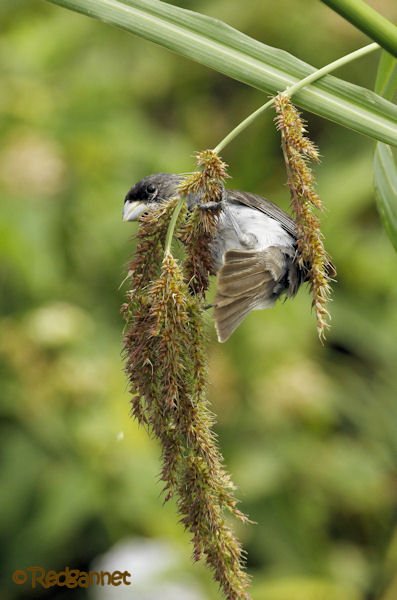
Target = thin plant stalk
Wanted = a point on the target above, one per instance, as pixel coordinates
(251, 118)
(172, 225)
(289, 91)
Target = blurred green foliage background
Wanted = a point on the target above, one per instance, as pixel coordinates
(309, 432)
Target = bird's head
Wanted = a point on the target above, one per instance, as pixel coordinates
(147, 194)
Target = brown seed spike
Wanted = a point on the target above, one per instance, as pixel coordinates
(166, 364)
(297, 151)
(200, 228)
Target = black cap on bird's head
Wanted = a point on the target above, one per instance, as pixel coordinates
(149, 191)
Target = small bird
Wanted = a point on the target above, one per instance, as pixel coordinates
(254, 250)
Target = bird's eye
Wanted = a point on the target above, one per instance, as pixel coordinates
(151, 188)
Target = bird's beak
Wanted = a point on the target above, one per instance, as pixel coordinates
(133, 210)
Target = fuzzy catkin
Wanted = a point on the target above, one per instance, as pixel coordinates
(298, 151)
(165, 357)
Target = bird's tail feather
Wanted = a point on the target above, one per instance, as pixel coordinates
(247, 280)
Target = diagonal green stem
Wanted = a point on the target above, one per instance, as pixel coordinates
(368, 20)
(172, 225)
(246, 122)
(336, 64)
(295, 88)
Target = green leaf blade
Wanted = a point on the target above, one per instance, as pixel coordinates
(385, 167)
(386, 79)
(385, 171)
(222, 48)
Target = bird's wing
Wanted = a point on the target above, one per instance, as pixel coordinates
(265, 206)
(247, 279)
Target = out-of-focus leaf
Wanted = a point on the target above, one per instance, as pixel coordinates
(386, 78)
(368, 20)
(385, 167)
(304, 588)
(385, 171)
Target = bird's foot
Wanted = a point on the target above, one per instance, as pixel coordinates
(215, 205)
(212, 206)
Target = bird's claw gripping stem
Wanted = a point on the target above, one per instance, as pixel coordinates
(213, 205)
